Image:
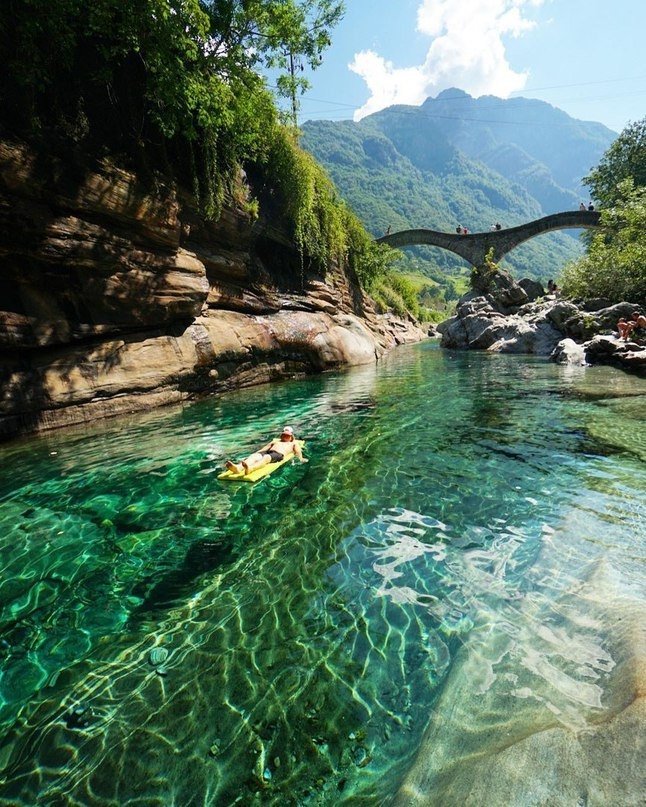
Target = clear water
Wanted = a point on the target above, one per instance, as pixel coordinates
(312, 622)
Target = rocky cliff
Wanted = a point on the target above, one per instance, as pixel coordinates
(115, 298)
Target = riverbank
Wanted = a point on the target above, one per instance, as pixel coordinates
(117, 297)
(511, 317)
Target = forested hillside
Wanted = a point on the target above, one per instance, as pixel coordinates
(458, 160)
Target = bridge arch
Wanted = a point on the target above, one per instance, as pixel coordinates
(474, 246)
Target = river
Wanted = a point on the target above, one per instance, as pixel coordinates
(459, 560)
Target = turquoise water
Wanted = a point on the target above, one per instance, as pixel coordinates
(313, 623)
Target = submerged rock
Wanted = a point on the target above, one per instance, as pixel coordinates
(158, 656)
(555, 716)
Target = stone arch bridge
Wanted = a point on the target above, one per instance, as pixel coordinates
(474, 246)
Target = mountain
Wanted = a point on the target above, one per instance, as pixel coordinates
(462, 160)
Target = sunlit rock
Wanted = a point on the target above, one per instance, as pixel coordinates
(568, 352)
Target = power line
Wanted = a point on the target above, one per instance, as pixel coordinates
(341, 105)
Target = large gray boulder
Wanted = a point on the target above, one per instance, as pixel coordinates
(568, 352)
(538, 327)
(610, 350)
(500, 289)
(583, 325)
(480, 326)
(560, 313)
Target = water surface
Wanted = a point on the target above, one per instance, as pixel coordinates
(452, 508)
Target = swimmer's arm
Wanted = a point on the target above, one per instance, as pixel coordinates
(299, 453)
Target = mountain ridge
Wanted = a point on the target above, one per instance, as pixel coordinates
(459, 160)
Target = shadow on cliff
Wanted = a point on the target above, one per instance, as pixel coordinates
(87, 255)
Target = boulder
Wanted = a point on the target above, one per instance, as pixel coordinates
(560, 312)
(472, 303)
(479, 326)
(567, 351)
(611, 350)
(595, 304)
(532, 288)
(583, 325)
(506, 295)
(539, 328)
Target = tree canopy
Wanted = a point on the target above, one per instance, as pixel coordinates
(615, 264)
(625, 159)
(174, 83)
(176, 86)
(614, 267)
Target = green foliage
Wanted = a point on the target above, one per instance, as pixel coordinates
(173, 84)
(369, 260)
(482, 276)
(395, 169)
(308, 199)
(324, 228)
(625, 159)
(405, 295)
(615, 265)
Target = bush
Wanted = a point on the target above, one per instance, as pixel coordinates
(615, 264)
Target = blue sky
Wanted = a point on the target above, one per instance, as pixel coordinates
(583, 56)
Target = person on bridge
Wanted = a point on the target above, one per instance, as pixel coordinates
(458, 229)
(498, 225)
(590, 207)
(582, 206)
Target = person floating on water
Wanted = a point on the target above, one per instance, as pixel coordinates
(275, 451)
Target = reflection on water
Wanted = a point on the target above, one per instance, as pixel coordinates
(456, 568)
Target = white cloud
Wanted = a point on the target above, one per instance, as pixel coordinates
(467, 51)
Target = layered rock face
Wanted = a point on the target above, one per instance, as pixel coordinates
(116, 298)
(519, 318)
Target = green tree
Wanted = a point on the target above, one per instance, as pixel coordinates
(615, 264)
(174, 83)
(625, 159)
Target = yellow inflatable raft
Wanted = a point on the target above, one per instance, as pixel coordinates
(259, 473)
